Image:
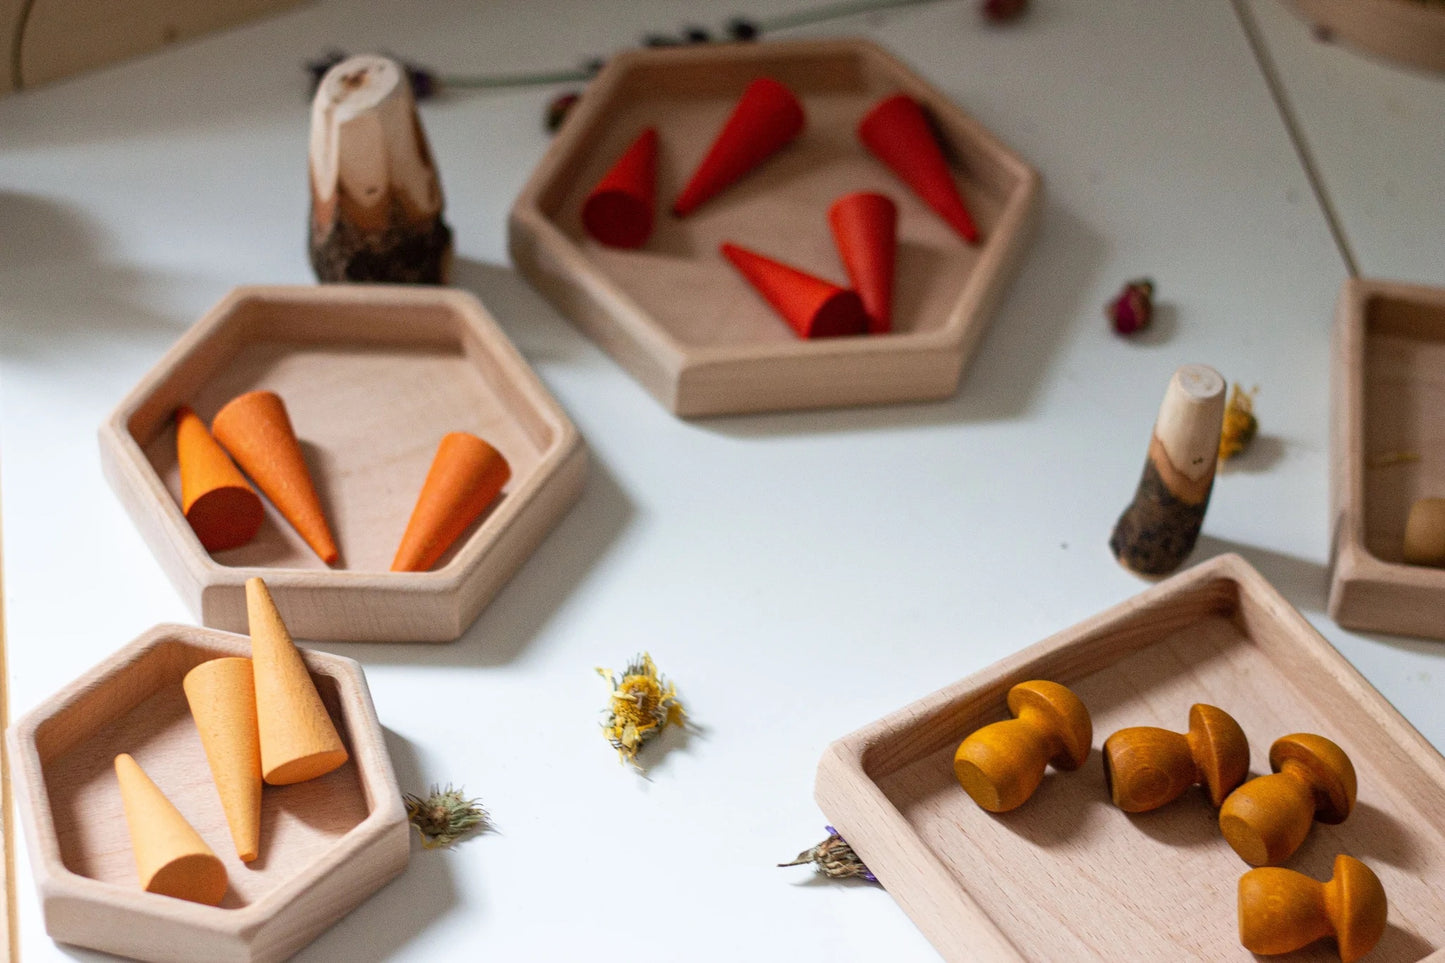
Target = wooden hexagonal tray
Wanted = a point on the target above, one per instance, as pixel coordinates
(676, 315)
(1067, 876)
(326, 844)
(1388, 450)
(372, 377)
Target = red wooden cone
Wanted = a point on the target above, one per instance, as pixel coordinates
(897, 133)
(618, 212)
(865, 228)
(766, 117)
(814, 307)
(466, 475)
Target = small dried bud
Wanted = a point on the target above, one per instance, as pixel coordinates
(557, 109)
(1133, 309)
(444, 816)
(1240, 424)
(835, 859)
(1002, 11)
(742, 29)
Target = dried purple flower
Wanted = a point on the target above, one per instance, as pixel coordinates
(835, 859)
(1133, 308)
(742, 29)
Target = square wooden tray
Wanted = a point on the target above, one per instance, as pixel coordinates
(1067, 876)
(1388, 449)
(372, 377)
(326, 844)
(680, 319)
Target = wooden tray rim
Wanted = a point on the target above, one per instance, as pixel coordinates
(56, 881)
(131, 460)
(1354, 562)
(844, 761)
(648, 352)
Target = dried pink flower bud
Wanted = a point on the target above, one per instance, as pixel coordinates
(1133, 309)
(1002, 11)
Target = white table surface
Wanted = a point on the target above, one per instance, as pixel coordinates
(798, 575)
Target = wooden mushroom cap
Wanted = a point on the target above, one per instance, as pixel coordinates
(1329, 768)
(1361, 906)
(1068, 717)
(1220, 749)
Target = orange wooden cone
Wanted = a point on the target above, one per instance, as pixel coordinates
(222, 696)
(618, 212)
(257, 432)
(171, 858)
(766, 117)
(298, 740)
(812, 306)
(898, 134)
(865, 229)
(465, 477)
(223, 510)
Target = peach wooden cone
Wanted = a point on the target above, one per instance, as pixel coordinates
(298, 740)
(865, 229)
(222, 509)
(257, 432)
(466, 476)
(766, 118)
(813, 307)
(618, 212)
(171, 858)
(898, 134)
(222, 696)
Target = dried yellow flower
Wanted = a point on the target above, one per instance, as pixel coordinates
(1240, 425)
(643, 703)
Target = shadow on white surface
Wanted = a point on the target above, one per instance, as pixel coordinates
(383, 925)
(541, 587)
(59, 288)
(1303, 583)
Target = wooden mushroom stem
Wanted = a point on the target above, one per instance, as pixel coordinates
(1002, 764)
(376, 200)
(1281, 910)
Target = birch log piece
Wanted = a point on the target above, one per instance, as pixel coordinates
(376, 200)
(1158, 529)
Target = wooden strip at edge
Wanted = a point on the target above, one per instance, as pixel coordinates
(9, 925)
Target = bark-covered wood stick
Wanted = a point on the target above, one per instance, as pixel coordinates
(376, 201)
(1158, 529)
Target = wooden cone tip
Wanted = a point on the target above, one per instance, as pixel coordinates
(466, 476)
(222, 697)
(255, 428)
(171, 857)
(298, 739)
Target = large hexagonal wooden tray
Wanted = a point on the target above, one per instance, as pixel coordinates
(680, 319)
(372, 377)
(326, 844)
